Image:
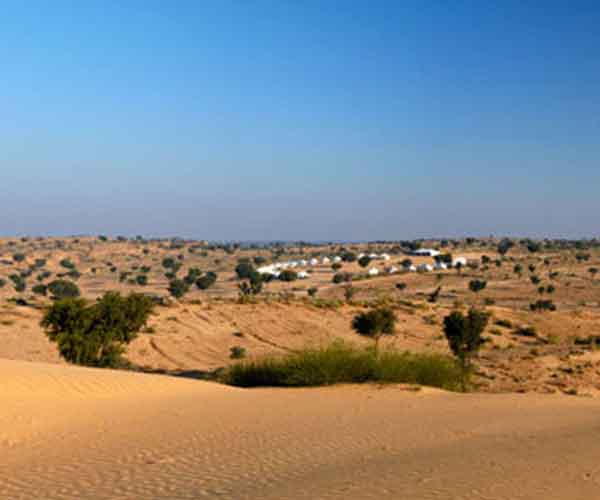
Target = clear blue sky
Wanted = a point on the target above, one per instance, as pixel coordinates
(300, 120)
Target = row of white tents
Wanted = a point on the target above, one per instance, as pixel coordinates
(422, 268)
(276, 268)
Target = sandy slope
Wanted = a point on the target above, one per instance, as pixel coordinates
(69, 433)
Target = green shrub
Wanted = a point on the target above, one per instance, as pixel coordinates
(477, 285)
(18, 257)
(237, 352)
(40, 289)
(504, 323)
(401, 286)
(206, 281)
(348, 257)
(178, 288)
(525, 331)
(19, 282)
(141, 280)
(43, 275)
(341, 363)
(288, 275)
(244, 270)
(63, 289)
(67, 264)
(192, 275)
(341, 278)
(2, 283)
(95, 335)
(364, 261)
(542, 305)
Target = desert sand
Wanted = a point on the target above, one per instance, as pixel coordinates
(69, 432)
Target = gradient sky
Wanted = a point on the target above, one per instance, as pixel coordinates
(300, 120)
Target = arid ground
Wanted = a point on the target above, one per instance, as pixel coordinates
(528, 430)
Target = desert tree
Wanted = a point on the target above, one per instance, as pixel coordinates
(95, 335)
(464, 335)
(375, 323)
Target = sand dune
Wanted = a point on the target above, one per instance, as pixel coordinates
(70, 433)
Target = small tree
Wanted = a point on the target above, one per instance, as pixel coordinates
(206, 281)
(477, 285)
(178, 288)
(364, 261)
(375, 323)
(19, 257)
(244, 269)
(593, 271)
(518, 269)
(39, 289)
(464, 337)
(349, 292)
(504, 246)
(288, 275)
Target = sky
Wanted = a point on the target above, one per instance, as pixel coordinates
(312, 120)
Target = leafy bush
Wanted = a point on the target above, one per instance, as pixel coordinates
(206, 281)
(178, 288)
(192, 275)
(542, 305)
(2, 283)
(237, 352)
(341, 278)
(244, 270)
(141, 280)
(63, 289)
(67, 264)
(43, 275)
(39, 263)
(19, 257)
(477, 285)
(19, 282)
(288, 275)
(40, 289)
(364, 261)
(525, 331)
(348, 257)
(401, 286)
(504, 246)
(340, 363)
(94, 335)
(312, 291)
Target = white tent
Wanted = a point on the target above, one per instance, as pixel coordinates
(392, 270)
(313, 262)
(440, 266)
(425, 268)
(337, 259)
(385, 256)
(266, 269)
(325, 260)
(426, 252)
(413, 268)
(373, 271)
(302, 275)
